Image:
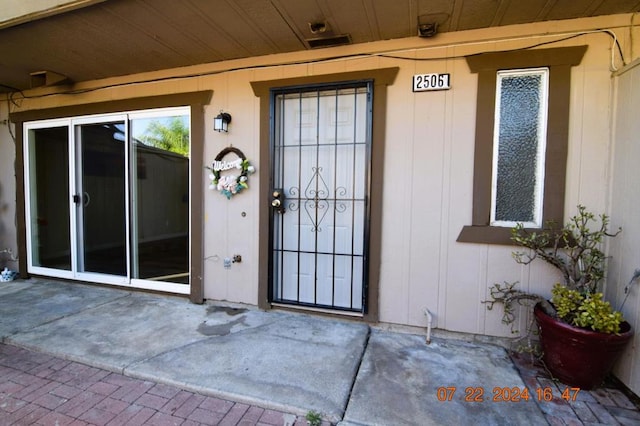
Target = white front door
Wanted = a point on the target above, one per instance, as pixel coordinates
(320, 164)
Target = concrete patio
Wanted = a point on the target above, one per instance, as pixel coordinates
(351, 373)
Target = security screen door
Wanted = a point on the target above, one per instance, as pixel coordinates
(320, 165)
(108, 198)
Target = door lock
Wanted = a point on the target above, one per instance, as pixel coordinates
(277, 200)
(83, 199)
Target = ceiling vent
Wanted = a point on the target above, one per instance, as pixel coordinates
(338, 40)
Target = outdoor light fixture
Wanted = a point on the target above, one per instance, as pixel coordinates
(429, 24)
(221, 122)
(317, 27)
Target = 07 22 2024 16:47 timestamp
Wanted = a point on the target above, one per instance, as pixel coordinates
(504, 394)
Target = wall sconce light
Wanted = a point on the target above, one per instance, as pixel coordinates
(221, 122)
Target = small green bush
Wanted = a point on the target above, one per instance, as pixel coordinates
(586, 311)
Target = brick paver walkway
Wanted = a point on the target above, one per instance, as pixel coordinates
(563, 405)
(38, 389)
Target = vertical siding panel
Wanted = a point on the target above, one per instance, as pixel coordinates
(426, 176)
(460, 86)
(625, 249)
(242, 284)
(595, 142)
(500, 268)
(396, 230)
(459, 304)
(216, 215)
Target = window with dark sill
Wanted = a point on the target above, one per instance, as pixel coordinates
(558, 61)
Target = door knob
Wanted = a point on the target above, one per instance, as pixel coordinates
(276, 200)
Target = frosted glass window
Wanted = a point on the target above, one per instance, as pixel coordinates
(519, 147)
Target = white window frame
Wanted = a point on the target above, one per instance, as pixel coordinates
(542, 145)
(71, 123)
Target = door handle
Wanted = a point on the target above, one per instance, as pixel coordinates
(85, 199)
(277, 200)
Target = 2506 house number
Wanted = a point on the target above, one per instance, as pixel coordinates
(427, 82)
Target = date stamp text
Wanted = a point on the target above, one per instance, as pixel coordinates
(504, 394)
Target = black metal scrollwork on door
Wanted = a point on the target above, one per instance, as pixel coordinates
(316, 199)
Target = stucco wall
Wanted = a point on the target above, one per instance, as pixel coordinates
(625, 203)
(428, 167)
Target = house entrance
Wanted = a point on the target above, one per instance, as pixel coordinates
(108, 198)
(320, 177)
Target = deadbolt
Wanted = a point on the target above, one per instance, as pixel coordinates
(277, 200)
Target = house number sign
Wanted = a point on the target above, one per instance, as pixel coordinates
(428, 82)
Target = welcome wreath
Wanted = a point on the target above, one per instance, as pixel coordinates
(230, 184)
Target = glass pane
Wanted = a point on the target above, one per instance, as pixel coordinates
(160, 198)
(102, 188)
(518, 147)
(49, 197)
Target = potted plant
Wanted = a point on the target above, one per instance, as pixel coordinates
(7, 274)
(581, 335)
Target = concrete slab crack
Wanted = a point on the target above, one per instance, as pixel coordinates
(357, 371)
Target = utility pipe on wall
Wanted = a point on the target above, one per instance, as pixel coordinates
(429, 321)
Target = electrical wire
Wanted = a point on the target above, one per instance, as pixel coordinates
(13, 136)
(13, 89)
(610, 33)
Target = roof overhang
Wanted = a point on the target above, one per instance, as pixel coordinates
(85, 40)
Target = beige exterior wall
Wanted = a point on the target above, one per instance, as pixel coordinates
(625, 203)
(428, 174)
(7, 190)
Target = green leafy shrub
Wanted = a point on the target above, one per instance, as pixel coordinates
(575, 251)
(586, 311)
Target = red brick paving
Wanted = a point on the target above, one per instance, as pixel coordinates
(607, 405)
(38, 389)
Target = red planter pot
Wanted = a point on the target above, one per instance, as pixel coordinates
(579, 357)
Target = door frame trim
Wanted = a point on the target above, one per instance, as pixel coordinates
(195, 100)
(381, 79)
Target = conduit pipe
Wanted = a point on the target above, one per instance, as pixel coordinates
(429, 321)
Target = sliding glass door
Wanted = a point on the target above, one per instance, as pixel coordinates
(100, 198)
(48, 205)
(160, 197)
(108, 198)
